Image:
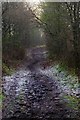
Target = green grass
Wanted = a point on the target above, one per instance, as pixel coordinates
(2, 97)
(6, 70)
(69, 80)
(73, 101)
(63, 67)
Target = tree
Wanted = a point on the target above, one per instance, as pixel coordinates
(74, 13)
(16, 27)
(55, 17)
(63, 31)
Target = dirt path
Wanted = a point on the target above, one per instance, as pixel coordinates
(31, 95)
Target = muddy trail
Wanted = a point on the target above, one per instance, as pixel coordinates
(29, 94)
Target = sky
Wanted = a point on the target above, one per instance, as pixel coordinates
(34, 1)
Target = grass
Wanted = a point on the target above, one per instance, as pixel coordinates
(7, 70)
(64, 67)
(72, 101)
(70, 80)
(2, 97)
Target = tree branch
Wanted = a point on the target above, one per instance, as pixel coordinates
(3, 11)
(69, 7)
(42, 23)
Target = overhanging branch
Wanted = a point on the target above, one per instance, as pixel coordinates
(42, 23)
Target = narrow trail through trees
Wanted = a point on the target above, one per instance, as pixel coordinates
(31, 95)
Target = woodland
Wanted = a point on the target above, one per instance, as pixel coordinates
(51, 25)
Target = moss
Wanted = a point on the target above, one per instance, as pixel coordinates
(63, 67)
(1, 98)
(6, 70)
(73, 101)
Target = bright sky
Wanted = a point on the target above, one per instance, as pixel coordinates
(34, 4)
(34, 1)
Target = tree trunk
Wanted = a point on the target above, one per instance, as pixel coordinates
(76, 53)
